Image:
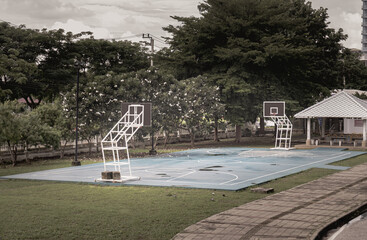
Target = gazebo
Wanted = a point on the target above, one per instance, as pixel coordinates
(341, 105)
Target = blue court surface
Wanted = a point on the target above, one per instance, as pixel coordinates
(211, 168)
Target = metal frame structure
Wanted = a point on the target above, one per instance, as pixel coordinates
(283, 139)
(118, 137)
(284, 127)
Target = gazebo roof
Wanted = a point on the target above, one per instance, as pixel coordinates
(340, 105)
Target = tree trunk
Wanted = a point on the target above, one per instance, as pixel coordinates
(97, 144)
(62, 150)
(216, 138)
(192, 138)
(13, 153)
(89, 146)
(27, 154)
(166, 140)
(132, 142)
(262, 126)
(156, 141)
(238, 134)
(2, 163)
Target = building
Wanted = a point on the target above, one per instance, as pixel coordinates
(340, 106)
(364, 31)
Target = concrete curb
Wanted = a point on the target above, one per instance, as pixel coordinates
(340, 221)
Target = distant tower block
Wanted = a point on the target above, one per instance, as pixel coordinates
(364, 31)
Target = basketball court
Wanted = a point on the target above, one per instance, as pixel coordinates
(211, 168)
(217, 168)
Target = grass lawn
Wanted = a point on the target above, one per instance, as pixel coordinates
(55, 210)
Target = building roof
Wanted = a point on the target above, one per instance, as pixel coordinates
(340, 105)
(354, 91)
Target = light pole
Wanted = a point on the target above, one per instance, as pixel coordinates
(76, 162)
(151, 151)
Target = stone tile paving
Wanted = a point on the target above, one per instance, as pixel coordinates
(298, 213)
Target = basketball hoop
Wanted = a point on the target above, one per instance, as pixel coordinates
(276, 111)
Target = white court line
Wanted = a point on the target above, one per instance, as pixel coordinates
(198, 182)
(160, 170)
(60, 171)
(214, 151)
(288, 169)
(236, 177)
(268, 163)
(211, 183)
(180, 176)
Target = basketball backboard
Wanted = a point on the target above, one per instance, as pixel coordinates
(147, 112)
(273, 109)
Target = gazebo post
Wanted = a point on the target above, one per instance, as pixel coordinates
(323, 128)
(308, 141)
(364, 133)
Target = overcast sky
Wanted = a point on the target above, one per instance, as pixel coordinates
(128, 18)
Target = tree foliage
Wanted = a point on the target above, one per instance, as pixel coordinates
(257, 50)
(39, 64)
(35, 65)
(103, 56)
(198, 104)
(21, 127)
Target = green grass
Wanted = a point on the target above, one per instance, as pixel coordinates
(54, 210)
(351, 162)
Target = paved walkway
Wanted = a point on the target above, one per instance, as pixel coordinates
(298, 213)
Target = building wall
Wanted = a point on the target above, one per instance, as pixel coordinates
(364, 30)
(353, 126)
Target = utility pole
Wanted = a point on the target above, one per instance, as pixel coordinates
(151, 151)
(151, 46)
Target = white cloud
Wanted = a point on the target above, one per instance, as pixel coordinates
(346, 15)
(352, 18)
(37, 11)
(351, 23)
(116, 18)
(77, 27)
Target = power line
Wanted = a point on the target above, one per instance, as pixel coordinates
(159, 46)
(120, 38)
(158, 39)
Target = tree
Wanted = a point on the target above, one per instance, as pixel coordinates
(36, 132)
(93, 97)
(117, 57)
(35, 65)
(155, 86)
(65, 126)
(198, 104)
(251, 47)
(19, 126)
(354, 71)
(57, 123)
(101, 98)
(10, 127)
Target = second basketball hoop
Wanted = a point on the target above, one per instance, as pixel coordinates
(276, 111)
